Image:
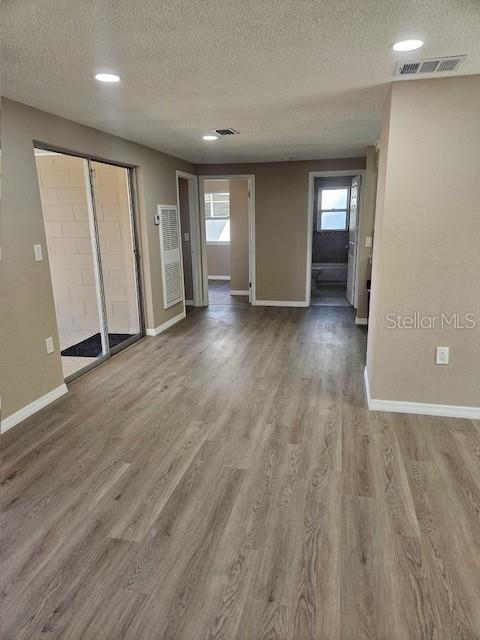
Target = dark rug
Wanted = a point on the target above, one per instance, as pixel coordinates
(92, 347)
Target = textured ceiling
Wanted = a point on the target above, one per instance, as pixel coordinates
(297, 78)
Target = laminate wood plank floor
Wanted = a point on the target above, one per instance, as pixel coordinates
(226, 481)
(219, 293)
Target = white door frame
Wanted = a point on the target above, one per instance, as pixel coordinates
(250, 177)
(311, 199)
(195, 237)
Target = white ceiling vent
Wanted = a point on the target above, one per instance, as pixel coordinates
(434, 65)
(225, 132)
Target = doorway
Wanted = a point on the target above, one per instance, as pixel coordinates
(91, 242)
(334, 199)
(227, 227)
(187, 201)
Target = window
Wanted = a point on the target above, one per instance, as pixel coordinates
(217, 217)
(333, 209)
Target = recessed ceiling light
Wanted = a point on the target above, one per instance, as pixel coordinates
(408, 45)
(210, 137)
(107, 77)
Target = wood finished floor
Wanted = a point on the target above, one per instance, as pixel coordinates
(219, 293)
(225, 480)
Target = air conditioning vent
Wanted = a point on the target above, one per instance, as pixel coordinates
(409, 67)
(434, 65)
(449, 64)
(429, 66)
(225, 132)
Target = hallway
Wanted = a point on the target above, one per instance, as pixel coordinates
(225, 480)
(219, 293)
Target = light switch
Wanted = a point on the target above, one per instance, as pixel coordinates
(186, 237)
(49, 345)
(156, 218)
(37, 252)
(442, 356)
(369, 241)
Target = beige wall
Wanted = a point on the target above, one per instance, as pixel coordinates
(281, 216)
(218, 259)
(28, 311)
(426, 249)
(216, 186)
(238, 235)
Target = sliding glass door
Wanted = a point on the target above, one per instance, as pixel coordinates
(91, 243)
(117, 255)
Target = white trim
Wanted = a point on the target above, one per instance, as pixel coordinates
(32, 408)
(250, 177)
(420, 408)
(219, 277)
(367, 386)
(361, 321)
(166, 325)
(238, 292)
(195, 236)
(96, 255)
(282, 303)
(218, 243)
(311, 184)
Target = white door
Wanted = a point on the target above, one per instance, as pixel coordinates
(352, 238)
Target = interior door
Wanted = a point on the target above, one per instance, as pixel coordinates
(352, 238)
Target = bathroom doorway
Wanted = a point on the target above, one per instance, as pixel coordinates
(333, 221)
(330, 241)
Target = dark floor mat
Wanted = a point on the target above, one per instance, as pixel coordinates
(92, 347)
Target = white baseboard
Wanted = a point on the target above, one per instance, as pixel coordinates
(219, 277)
(361, 321)
(420, 408)
(281, 303)
(165, 325)
(32, 408)
(238, 292)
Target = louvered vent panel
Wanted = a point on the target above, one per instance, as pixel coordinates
(449, 65)
(434, 65)
(411, 67)
(171, 258)
(225, 132)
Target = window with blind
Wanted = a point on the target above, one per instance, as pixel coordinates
(217, 217)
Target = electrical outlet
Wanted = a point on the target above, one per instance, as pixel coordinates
(37, 252)
(49, 345)
(369, 242)
(443, 354)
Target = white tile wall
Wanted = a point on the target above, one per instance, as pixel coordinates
(62, 185)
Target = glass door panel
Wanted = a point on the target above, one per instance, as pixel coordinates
(111, 190)
(71, 246)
